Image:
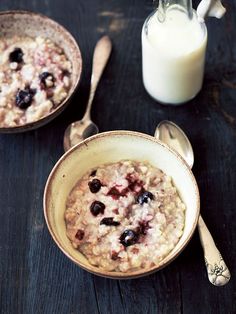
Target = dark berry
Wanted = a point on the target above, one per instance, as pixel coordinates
(108, 221)
(46, 79)
(129, 237)
(93, 173)
(24, 98)
(97, 208)
(144, 197)
(16, 55)
(79, 234)
(94, 185)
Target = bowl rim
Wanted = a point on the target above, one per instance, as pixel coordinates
(46, 119)
(112, 274)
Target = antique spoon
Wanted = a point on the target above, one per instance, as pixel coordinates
(77, 131)
(172, 135)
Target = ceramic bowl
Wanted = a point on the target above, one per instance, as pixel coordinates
(24, 23)
(112, 147)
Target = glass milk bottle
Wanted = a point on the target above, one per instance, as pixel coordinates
(173, 52)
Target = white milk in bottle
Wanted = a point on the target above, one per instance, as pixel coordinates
(173, 52)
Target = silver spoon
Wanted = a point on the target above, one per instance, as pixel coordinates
(172, 135)
(77, 131)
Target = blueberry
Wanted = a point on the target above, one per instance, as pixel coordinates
(144, 197)
(129, 237)
(108, 221)
(94, 185)
(46, 79)
(16, 55)
(24, 98)
(97, 208)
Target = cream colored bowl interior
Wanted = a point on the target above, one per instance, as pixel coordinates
(111, 147)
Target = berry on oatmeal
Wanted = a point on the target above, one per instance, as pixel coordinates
(129, 237)
(79, 234)
(109, 221)
(24, 98)
(95, 185)
(143, 227)
(97, 208)
(46, 79)
(114, 255)
(115, 193)
(144, 197)
(16, 55)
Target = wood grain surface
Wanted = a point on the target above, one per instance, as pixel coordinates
(35, 277)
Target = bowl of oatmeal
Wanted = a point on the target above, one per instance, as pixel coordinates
(40, 69)
(121, 204)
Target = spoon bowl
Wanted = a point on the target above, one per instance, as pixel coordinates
(168, 132)
(77, 131)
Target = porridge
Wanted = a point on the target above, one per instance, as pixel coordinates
(124, 216)
(34, 79)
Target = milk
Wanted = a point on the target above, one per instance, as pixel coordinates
(173, 55)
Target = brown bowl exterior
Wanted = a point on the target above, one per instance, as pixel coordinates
(111, 147)
(26, 23)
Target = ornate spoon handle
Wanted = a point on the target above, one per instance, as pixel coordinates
(218, 272)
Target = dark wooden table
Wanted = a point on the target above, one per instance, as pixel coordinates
(35, 277)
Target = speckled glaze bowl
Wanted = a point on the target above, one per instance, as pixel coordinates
(25, 23)
(112, 147)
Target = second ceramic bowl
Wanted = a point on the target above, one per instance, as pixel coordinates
(112, 147)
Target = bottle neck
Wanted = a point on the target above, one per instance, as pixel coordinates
(183, 5)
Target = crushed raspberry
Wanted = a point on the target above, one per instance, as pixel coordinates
(79, 234)
(114, 255)
(115, 193)
(135, 250)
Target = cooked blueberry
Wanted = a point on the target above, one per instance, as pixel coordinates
(79, 234)
(94, 185)
(109, 221)
(129, 237)
(16, 55)
(24, 98)
(46, 79)
(144, 197)
(97, 208)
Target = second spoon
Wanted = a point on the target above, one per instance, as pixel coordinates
(172, 135)
(78, 131)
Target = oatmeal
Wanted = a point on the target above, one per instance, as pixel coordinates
(124, 216)
(34, 79)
